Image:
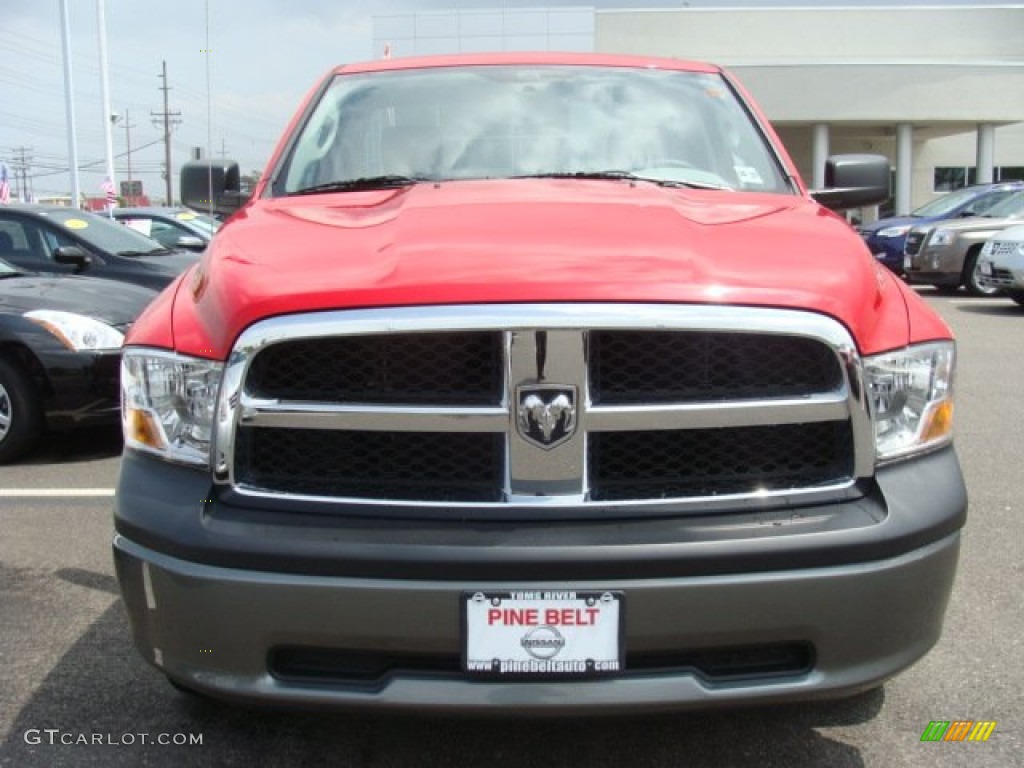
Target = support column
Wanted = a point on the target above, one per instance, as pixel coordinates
(986, 153)
(904, 168)
(819, 143)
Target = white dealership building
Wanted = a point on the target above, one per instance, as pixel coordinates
(937, 88)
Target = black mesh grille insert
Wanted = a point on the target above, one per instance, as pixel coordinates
(421, 466)
(709, 462)
(680, 366)
(412, 368)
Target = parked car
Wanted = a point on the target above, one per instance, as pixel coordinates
(946, 254)
(536, 383)
(887, 237)
(60, 353)
(171, 227)
(58, 240)
(1001, 264)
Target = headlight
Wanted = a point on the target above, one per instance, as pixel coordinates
(911, 398)
(77, 332)
(943, 237)
(893, 231)
(168, 402)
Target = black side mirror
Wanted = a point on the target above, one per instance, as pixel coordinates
(212, 187)
(852, 181)
(74, 255)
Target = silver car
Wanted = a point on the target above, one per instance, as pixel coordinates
(1001, 265)
(946, 254)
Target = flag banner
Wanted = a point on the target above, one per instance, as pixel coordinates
(5, 187)
(108, 189)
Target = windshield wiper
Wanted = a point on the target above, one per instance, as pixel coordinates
(614, 175)
(622, 176)
(687, 184)
(390, 181)
(144, 253)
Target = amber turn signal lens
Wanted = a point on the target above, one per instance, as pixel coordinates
(140, 426)
(940, 422)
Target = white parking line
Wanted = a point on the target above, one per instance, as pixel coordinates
(54, 493)
(990, 302)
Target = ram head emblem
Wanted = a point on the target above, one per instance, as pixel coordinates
(546, 415)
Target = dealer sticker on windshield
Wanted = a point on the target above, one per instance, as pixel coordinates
(542, 633)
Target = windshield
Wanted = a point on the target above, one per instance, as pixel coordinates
(199, 221)
(450, 123)
(946, 204)
(1011, 207)
(104, 234)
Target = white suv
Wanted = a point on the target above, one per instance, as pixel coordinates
(1001, 263)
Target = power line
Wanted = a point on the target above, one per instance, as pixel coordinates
(93, 163)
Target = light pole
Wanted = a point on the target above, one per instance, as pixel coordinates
(69, 106)
(101, 23)
(114, 119)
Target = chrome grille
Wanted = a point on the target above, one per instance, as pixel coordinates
(913, 242)
(557, 410)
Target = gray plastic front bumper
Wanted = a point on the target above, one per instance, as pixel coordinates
(868, 598)
(213, 628)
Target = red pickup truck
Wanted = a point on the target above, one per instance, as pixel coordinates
(536, 382)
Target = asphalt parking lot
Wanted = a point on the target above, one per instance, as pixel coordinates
(74, 692)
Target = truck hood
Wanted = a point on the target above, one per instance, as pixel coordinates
(532, 240)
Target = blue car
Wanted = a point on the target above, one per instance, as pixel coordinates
(886, 237)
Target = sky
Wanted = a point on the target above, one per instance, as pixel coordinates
(263, 57)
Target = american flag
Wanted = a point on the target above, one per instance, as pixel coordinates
(108, 187)
(5, 187)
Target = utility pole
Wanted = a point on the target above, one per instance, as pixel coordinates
(223, 149)
(168, 118)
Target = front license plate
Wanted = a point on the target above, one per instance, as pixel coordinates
(543, 633)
